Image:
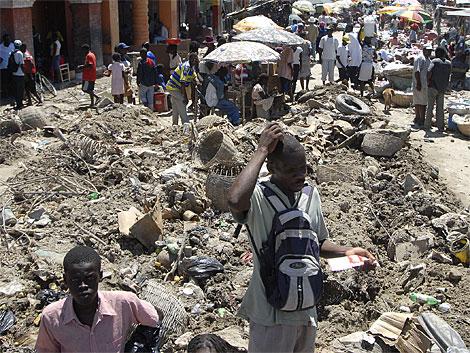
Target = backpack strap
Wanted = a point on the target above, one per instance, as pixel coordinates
(255, 248)
(274, 200)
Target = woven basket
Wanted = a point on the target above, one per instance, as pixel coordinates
(175, 318)
(218, 182)
(402, 99)
(213, 148)
(210, 121)
(463, 124)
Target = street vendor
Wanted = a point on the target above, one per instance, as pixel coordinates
(420, 84)
(261, 99)
(217, 81)
(342, 60)
(459, 70)
(366, 72)
(355, 58)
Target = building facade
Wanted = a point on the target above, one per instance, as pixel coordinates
(101, 23)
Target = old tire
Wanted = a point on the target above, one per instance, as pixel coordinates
(351, 105)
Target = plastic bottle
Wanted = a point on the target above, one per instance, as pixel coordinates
(424, 299)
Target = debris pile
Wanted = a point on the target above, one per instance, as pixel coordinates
(152, 201)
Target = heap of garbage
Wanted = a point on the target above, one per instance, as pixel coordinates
(152, 201)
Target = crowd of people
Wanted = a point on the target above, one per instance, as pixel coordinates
(88, 319)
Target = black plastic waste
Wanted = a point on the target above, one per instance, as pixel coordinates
(48, 296)
(203, 267)
(144, 339)
(7, 320)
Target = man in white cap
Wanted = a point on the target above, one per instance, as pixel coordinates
(420, 84)
(18, 74)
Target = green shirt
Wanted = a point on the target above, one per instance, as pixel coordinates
(255, 306)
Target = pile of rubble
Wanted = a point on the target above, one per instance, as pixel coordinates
(151, 200)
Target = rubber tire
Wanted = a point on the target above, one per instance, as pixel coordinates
(348, 104)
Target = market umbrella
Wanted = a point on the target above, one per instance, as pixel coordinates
(415, 7)
(271, 36)
(304, 6)
(242, 52)
(389, 10)
(254, 22)
(406, 2)
(411, 16)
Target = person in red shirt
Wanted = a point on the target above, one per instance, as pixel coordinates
(89, 74)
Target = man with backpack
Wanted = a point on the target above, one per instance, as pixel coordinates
(15, 66)
(29, 69)
(287, 234)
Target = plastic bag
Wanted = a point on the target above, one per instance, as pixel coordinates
(48, 296)
(144, 339)
(203, 267)
(7, 320)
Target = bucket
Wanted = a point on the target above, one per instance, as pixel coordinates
(460, 248)
(160, 102)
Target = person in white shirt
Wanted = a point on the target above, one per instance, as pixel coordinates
(355, 59)
(175, 59)
(116, 69)
(161, 32)
(296, 68)
(6, 47)
(342, 60)
(328, 47)
(18, 75)
(55, 56)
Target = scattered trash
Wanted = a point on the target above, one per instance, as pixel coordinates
(11, 288)
(461, 250)
(423, 299)
(8, 217)
(48, 296)
(202, 268)
(7, 320)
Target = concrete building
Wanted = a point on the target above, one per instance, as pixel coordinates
(100, 23)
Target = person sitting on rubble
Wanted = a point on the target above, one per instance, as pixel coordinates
(261, 99)
(459, 70)
(90, 320)
(215, 96)
(211, 343)
(281, 321)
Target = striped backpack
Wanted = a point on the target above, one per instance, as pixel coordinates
(290, 258)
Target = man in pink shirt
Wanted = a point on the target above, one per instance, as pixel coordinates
(90, 320)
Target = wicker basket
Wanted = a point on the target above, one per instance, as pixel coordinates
(402, 99)
(218, 182)
(214, 147)
(175, 318)
(210, 121)
(463, 124)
